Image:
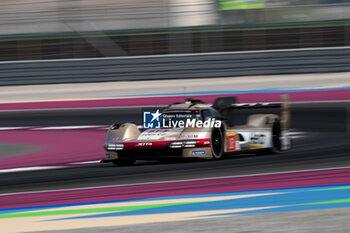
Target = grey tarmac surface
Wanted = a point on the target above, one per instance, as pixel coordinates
(327, 145)
(316, 221)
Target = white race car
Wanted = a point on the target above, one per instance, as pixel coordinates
(126, 142)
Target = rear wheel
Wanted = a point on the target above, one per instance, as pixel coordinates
(276, 137)
(217, 143)
(276, 143)
(124, 162)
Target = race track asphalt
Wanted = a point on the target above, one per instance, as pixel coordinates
(326, 145)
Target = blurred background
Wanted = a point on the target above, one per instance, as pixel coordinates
(112, 58)
(51, 29)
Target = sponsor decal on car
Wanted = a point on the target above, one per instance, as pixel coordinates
(154, 134)
(255, 147)
(108, 156)
(238, 146)
(144, 144)
(170, 138)
(189, 136)
(286, 142)
(198, 152)
(230, 133)
(258, 138)
(231, 143)
(114, 139)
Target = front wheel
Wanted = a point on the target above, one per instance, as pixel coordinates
(217, 143)
(124, 162)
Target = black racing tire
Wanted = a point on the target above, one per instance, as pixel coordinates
(276, 147)
(124, 162)
(217, 143)
(276, 133)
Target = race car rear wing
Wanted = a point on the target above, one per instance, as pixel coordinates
(225, 104)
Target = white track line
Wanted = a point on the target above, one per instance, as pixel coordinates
(40, 168)
(22, 169)
(86, 162)
(175, 181)
(13, 128)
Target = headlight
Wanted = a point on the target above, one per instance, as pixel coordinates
(114, 146)
(190, 143)
(183, 144)
(175, 144)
